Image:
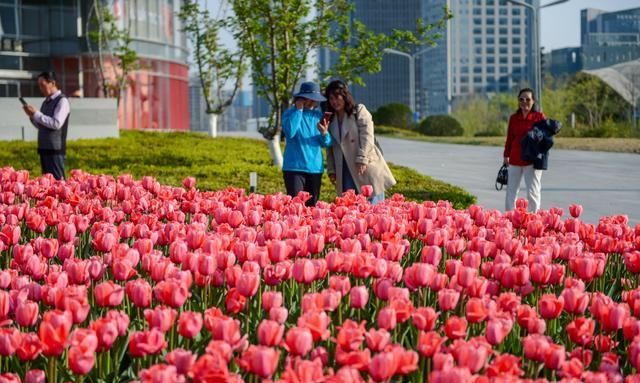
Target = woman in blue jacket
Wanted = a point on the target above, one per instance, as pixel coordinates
(306, 133)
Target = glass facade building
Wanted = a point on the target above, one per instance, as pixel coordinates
(609, 38)
(39, 35)
(486, 48)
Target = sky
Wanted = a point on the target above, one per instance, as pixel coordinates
(560, 24)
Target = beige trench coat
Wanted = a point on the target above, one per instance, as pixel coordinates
(356, 145)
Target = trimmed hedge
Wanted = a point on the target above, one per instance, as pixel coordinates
(440, 125)
(216, 164)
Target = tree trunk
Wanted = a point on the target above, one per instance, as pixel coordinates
(212, 120)
(275, 151)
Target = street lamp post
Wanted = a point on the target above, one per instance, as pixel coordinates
(537, 70)
(412, 72)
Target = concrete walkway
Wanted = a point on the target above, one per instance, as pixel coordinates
(603, 183)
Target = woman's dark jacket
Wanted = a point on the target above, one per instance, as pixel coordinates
(536, 144)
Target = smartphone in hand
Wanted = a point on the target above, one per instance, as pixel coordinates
(327, 117)
(22, 100)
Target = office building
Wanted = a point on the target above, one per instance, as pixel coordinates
(51, 35)
(485, 49)
(564, 61)
(609, 38)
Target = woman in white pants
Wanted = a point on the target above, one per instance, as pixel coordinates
(519, 125)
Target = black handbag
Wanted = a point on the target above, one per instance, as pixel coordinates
(502, 178)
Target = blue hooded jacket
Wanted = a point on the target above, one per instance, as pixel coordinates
(304, 143)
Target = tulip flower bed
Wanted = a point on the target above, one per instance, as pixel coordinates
(113, 280)
(216, 163)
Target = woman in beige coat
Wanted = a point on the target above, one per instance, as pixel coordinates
(354, 160)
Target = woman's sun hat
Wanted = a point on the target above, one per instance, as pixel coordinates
(310, 90)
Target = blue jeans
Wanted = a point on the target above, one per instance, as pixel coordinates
(349, 183)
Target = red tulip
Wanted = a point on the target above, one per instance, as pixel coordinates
(358, 297)
(108, 293)
(248, 284)
(575, 300)
(581, 331)
(476, 311)
(271, 299)
(160, 317)
(181, 359)
(139, 292)
(550, 306)
(54, 331)
(448, 299)
(429, 343)
(189, 324)
(9, 340)
(270, 333)
(504, 365)
(148, 342)
(26, 314)
(260, 360)
(279, 314)
(498, 328)
(387, 318)
(171, 293)
(575, 210)
(66, 232)
(317, 323)
(303, 271)
(82, 351)
(554, 356)
(383, 366)
(472, 354)
(106, 331)
(35, 376)
(424, 318)
(455, 327)
(29, 348)
(298, 341)
(572, 368)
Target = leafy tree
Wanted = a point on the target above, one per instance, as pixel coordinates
(482, 117)
(394, 114)
(279, 37)
(594, 101)
(113, 46)
(217, 65)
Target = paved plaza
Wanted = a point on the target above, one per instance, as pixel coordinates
(603, 183)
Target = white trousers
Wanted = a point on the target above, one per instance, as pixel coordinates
(532, 182)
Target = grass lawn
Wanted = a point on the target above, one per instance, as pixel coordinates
(216, 164)
(624, 145)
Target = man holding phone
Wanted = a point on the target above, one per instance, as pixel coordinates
(306, 133)
(52, 121)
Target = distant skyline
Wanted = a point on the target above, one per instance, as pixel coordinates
(560, 24)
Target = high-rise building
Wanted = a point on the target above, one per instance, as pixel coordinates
(391, 84)
(49, 35)
(485, 49)
(609, 38)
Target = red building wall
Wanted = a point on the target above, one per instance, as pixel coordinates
(156, 98)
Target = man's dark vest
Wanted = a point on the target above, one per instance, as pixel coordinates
(52, 141)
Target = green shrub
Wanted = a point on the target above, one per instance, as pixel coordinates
(440, 125)
(397, 115)
(216, 164)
